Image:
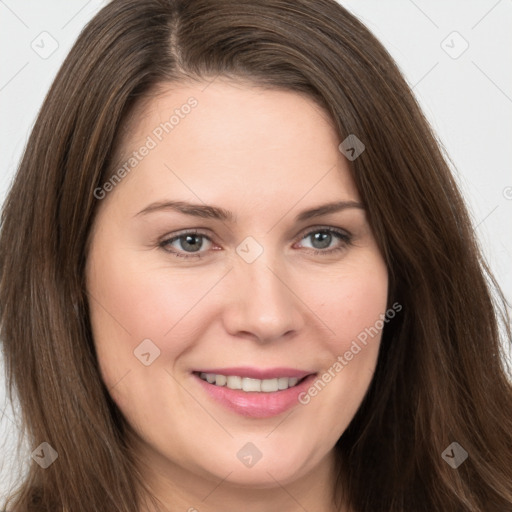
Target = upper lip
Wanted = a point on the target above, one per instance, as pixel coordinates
(257, 373)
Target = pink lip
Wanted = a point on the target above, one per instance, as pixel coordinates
(256, 373)
(254, 404)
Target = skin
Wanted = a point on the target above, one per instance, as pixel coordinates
(265, 155)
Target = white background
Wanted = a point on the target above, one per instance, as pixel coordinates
(467, 99)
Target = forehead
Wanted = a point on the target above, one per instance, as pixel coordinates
(225, 141)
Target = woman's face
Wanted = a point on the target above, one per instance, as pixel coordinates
(213, 253)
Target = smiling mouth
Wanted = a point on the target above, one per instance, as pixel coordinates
(250, 385)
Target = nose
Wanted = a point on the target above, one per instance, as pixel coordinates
(262, 305)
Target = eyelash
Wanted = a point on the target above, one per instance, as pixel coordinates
(345, 238)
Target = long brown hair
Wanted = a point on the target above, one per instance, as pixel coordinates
(441, 374)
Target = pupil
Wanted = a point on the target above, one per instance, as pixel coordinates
(191, 242)
(324, 239)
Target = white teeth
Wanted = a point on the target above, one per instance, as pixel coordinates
(282, 383)
(220, 380)
(234, 382)
(270, 385)
(250, 385)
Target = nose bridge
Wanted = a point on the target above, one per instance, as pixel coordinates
(263, 304)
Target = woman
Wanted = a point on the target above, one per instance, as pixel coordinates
(237, 274)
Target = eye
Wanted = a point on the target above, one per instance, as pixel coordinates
(187, 245)
(321, 240)
(194, 244)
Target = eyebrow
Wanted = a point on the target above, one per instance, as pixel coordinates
(215, 212)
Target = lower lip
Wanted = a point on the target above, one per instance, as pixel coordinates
(256, 404)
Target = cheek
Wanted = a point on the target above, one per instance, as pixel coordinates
(351, 302)
(353, 306)
(132, 302)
